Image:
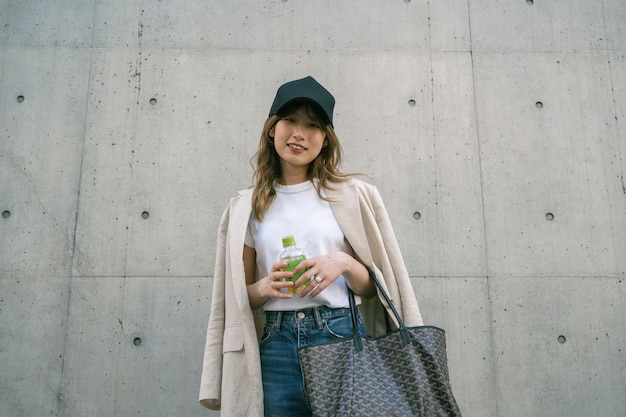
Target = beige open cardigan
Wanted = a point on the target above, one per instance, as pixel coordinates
(231, 373)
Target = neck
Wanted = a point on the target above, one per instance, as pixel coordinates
(289, 180)
(292, 177)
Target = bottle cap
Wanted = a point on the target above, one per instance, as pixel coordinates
(288, 241)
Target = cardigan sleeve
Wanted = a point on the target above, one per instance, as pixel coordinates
(398, 281)
(360, 210)
(211, 380)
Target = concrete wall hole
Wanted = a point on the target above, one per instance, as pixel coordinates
(145, 215)
(20, 99)
(6, 214)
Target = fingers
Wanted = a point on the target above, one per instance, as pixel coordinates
(318, 269)
(316, 282)
(319, 273)
(278, 280)
(277, 286)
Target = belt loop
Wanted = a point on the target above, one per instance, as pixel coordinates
(319, 323)
(279, 320)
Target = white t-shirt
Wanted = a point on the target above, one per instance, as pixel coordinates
(298, 211)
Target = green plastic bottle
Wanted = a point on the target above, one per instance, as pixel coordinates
(293, 255)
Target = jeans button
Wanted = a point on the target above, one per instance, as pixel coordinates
(301, 314)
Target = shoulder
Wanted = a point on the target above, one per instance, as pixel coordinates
(353, 184)
(354, 193)
(243, 196)
(240, 204)
(362, 189)
(247, 191)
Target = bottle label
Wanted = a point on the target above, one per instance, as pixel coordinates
(292, 263)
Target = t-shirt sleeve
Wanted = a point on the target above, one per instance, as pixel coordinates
(249, 239)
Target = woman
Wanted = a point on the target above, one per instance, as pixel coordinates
(343, 226)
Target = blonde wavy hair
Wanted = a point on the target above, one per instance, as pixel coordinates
(324, 168)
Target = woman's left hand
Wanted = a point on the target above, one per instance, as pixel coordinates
(324, 270)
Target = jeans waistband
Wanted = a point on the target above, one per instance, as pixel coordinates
(316, 314)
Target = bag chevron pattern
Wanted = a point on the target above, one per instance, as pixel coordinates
(403, 373)
(386, 378)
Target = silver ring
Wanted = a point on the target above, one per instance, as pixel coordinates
(317, 279)
(272, 285)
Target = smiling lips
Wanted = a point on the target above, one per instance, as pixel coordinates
(296, 147)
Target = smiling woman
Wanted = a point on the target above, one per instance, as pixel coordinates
(318, 104)
(298, 140)
(298, 191)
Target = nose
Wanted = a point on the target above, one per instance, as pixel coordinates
(298, 131)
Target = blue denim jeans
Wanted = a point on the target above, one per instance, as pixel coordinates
(285, 331)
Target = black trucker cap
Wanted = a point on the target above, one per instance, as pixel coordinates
(305, 89)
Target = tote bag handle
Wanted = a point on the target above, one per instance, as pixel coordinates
(358, 343)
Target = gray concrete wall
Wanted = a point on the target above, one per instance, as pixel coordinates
(495, 130)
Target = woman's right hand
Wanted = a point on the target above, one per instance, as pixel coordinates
(267, 287)
(273, 284)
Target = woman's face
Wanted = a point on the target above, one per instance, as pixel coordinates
(298, 140)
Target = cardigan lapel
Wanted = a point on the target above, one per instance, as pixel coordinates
(344, 201)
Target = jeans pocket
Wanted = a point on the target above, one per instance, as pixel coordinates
(268, 332)
(338, 327)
